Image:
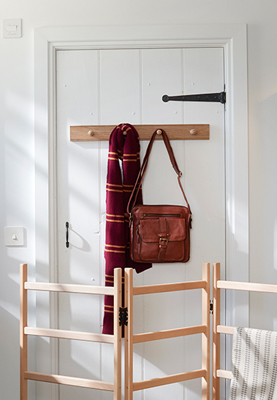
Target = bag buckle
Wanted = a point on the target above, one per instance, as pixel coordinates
(163, 242)
(163, 239)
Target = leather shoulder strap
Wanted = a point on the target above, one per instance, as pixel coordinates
(137, 186)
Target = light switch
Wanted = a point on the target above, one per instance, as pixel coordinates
(14, 236)
(12, 28)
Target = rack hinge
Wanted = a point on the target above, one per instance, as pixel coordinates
(211, 307)
(207, 97)
(123, 316)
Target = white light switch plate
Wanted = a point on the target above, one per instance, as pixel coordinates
(14, 236)
(12, 28)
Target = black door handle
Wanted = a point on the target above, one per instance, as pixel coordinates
(66, 234)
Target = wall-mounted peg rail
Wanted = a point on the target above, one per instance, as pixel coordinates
(174, 132)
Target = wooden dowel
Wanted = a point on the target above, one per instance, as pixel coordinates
(72, 335)
(69, 288)
(186, 376)
(247, 286)
(68, 380)
(174, 132)
(167, 334)
(229, 330)
(23, 337)
(206, 334)
(117, 332)
(224, 374)
(169, 287)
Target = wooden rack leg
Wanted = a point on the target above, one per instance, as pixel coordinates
(129, 336)
(206, 336)
(216, 336)
(117, 333)
(23, 337)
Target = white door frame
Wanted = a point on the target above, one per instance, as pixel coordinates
(233, 39)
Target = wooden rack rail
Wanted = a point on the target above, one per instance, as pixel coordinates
(174, 132)
(223, 329)
(115, 339)
(204, 329)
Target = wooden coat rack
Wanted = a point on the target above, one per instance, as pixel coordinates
(174, 132)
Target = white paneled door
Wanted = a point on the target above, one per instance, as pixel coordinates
(126, 85)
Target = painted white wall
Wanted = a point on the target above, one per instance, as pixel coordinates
(17, 133)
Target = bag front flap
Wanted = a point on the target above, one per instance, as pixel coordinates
(152, 229)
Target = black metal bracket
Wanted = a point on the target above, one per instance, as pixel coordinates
(208, 97)
(123, 316)
(211, 307)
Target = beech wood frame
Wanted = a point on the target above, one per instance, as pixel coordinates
(204, 329)
(114, 339)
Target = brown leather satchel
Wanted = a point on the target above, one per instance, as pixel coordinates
(159, 233)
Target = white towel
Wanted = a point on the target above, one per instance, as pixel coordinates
(254, 365)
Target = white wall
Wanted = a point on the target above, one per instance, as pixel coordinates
(17, 132)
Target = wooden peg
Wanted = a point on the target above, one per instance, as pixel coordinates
(159, 132)
(124, 133)
(90, 133)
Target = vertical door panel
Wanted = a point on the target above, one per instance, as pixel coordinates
(120, 87)
(78, 203)
(204, 180)
(162, 73)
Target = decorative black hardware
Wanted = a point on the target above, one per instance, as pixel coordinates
(211, 307)
(123, 316)
(66, 234)
(208, 97)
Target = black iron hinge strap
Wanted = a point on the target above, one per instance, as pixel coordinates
(207, 97)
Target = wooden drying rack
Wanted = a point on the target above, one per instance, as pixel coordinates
(174, 132)
(115, 339)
